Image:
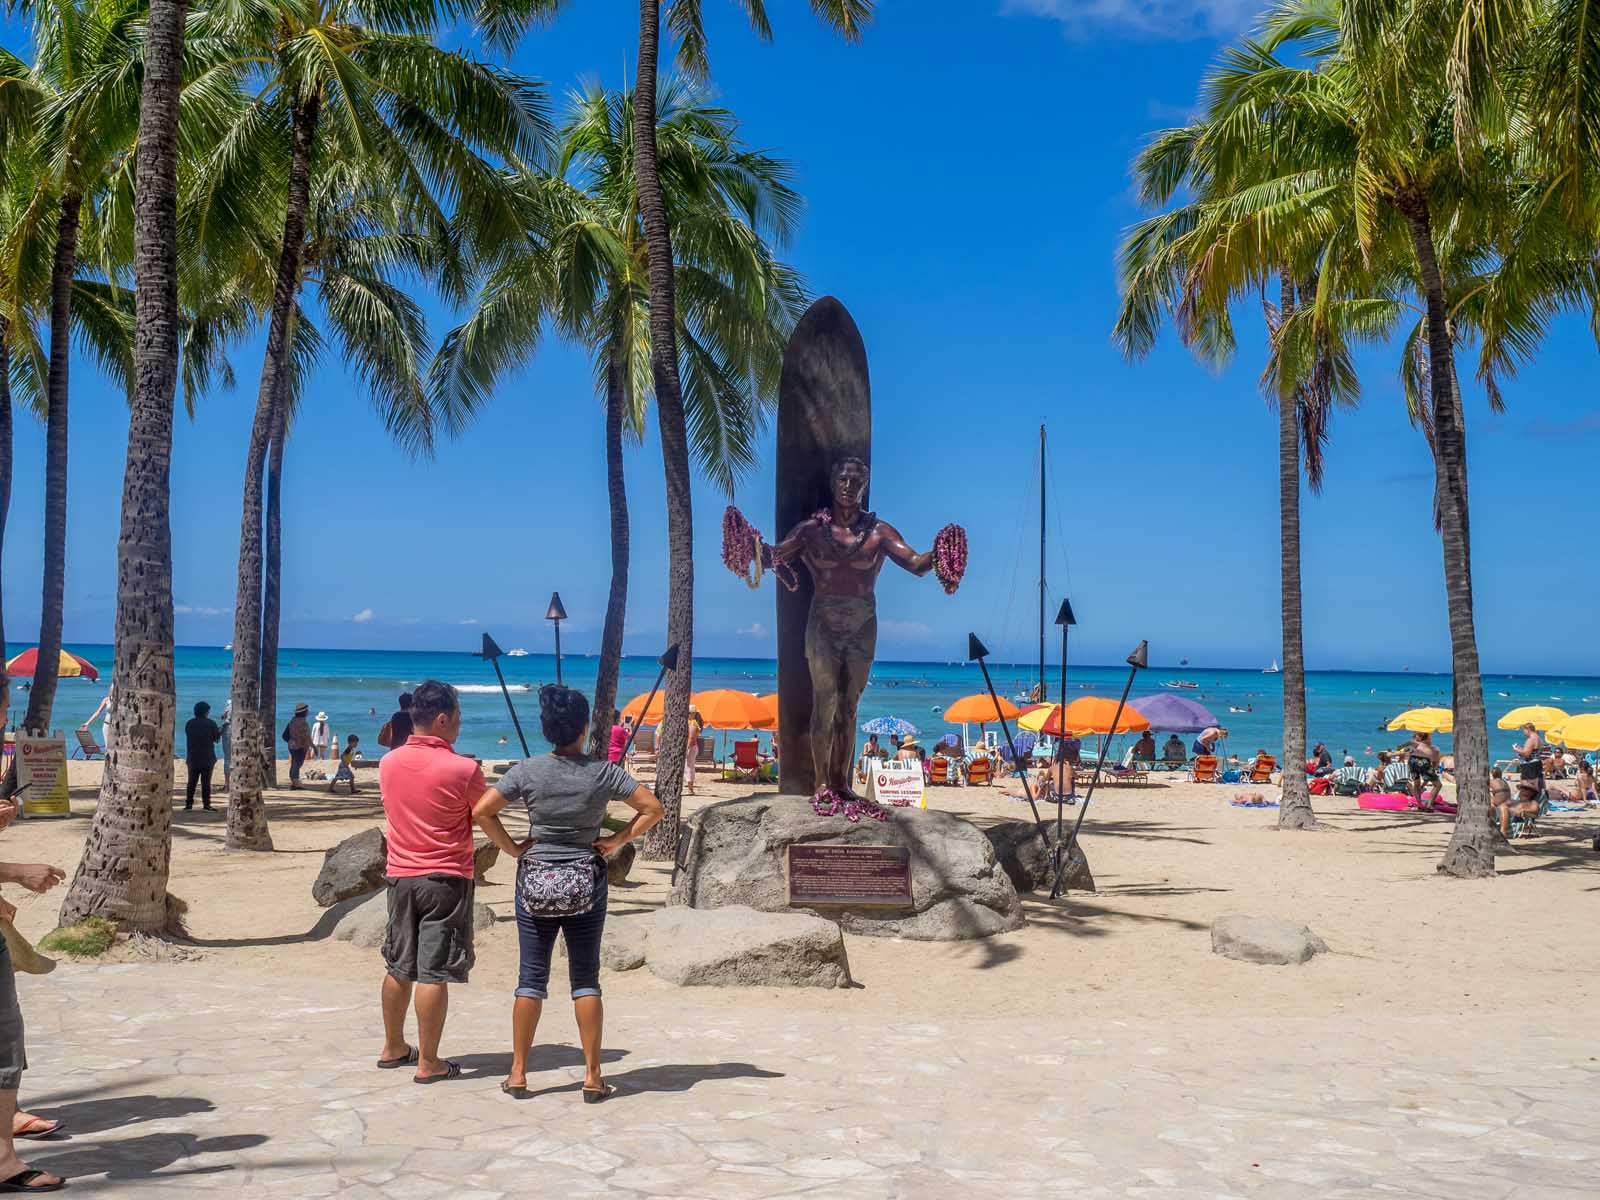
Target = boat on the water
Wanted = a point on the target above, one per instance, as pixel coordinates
(1274, 669)
(1178, 683)
(519, 652)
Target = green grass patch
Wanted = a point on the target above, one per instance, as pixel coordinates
(89, 937)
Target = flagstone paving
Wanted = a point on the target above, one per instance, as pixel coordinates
(188, 1080)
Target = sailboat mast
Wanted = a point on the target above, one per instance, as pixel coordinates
(1041, 564)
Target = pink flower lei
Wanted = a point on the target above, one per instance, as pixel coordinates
(829, 803)
(747, 556)
(950, 556)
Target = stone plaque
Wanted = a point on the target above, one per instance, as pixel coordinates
(857, 876)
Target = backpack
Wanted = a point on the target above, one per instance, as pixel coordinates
(386, 733)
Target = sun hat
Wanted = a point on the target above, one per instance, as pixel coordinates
(321, 716)
(301, 710)
(908, 740)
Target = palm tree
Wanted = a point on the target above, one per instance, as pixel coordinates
(581, 268)
(85, 77)
(123, 872)
(410, 127)
(684, 23)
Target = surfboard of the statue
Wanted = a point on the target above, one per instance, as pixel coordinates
(824, 414)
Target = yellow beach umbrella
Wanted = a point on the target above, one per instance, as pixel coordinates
(1425, 720)
(1542, 716)
(1581, 732)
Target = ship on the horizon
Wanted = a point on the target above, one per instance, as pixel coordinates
(1274, 669)
(519, 652)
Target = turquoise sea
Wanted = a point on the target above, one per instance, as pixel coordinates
(358, 688)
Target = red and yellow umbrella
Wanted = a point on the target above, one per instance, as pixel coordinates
(980, 709)
(70, 666)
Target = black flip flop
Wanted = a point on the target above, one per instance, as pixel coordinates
(20, 1181)
(452, 1071)
(405, 1060)
(517, 1091)
(55, 1132)
(595, 1095)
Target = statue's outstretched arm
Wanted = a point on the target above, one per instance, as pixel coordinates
(895, 547)
(791, 546)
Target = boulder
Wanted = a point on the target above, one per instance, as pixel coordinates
(619, 864)
(354, 866)
(1268, 940)
(366, 924)
(484, 856)
(737, 856)
(740, 947)
(1026, 857)
(622, 947)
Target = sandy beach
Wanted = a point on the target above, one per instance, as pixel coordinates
(1440, 1048)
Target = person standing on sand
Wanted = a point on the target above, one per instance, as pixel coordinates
(695, 726)
(620, 733)
(1424, 765)
(428, 792)
(561, 874)
(297, 733)
(200, 737)
(321, 735)
(105, 727)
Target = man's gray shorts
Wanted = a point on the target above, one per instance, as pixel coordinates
(430, 928)
(13, 1059)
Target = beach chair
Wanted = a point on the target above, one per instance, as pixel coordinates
(706, 752)
(746, 762)
(642, 757)
(1261, 770)
(1175, 760)
(1523, 826)
(87, 746)
(1205, 769)
(1131, 774)
(979, 771)
(939, 770)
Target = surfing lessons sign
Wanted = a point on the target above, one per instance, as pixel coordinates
(42, 776)
(898, 785)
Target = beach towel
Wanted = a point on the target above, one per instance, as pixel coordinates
(1385, 801)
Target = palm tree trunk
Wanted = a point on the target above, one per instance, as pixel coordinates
(1471, 850)
(123, 872)
(603, 715)
(5, 480)
(253, 738)
(1294, 811)
(42, 699)
(662, 841)
(272, 589)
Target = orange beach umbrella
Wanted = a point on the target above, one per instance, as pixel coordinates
(635, 708)
(1089, 714)
(71, 666)
(728, 708)
(770, 703)
(979, 709)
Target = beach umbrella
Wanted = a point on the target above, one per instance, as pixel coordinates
(70, 667)
(635, 708)
(888, 726)
(979, 709)
(1425, 720)
(1036, 716)
(728, 708)
(1542, 716)
(1581, 732)
(1174, 714)
(769, 702)
(1086, 714)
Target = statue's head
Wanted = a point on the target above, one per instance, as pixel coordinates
(848, 481)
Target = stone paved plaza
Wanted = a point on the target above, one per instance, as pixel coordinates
(185, 1079)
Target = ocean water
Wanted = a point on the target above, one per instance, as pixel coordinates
(358, 690)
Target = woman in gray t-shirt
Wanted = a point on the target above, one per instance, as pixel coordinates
(566, 794)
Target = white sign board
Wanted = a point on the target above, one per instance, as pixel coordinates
(897, 785)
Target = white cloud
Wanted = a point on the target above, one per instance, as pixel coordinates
(904, 629)
(1175, 19)
(196, 610)
(366, 614)
(468, 621)
(755, 629)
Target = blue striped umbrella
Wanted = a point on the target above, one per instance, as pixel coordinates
(888, 727)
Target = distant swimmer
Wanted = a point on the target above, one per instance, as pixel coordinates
(1502, 693)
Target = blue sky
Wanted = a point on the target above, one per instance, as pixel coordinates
(966, 173)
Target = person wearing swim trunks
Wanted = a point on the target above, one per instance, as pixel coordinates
(844, 548)
(1425, 769)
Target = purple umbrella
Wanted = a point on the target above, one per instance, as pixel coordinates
(1174, 714)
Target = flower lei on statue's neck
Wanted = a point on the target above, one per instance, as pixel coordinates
(832, 550)
(829, 803)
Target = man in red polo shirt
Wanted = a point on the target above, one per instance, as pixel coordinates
(428, 792)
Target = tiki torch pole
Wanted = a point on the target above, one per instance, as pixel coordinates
(1065, 619)
(1139, 659)
(556, 614)
(492, 652)
(669, 662)
(977, 651)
